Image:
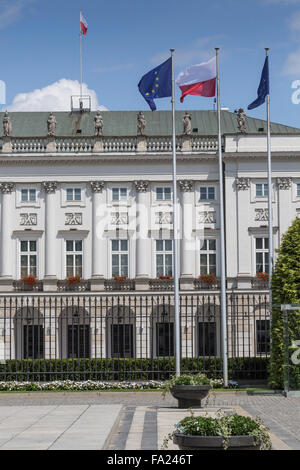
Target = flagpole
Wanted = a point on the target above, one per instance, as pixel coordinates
(222, 236)
(270, 215)
(80, 103)
(175, 231)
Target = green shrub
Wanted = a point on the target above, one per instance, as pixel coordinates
(286, 290)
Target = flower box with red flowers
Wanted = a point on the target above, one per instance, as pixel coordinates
(73, 280)
(207, 278)
(30, 280)
(263, 277)
(165, 277)
(120, 279)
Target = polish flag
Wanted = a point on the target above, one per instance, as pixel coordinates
(83, 24)
(198, 79)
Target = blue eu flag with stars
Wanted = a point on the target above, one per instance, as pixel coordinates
(157, 83)
(263, 89)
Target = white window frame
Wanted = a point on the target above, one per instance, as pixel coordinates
(119, 252)
(28, 187)
(161, 202)
(206, 202)
(262, 250)
(208, 252)
(73, 253)
(295, 184)
(254, 198)
(126, 202)
(164, 253)
(19, 253)
(65, 202)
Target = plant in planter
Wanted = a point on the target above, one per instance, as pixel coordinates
(263, 277)
(120, 279)
(188, 389)
(234, 432)
(207, 278)
(165, 277)
(73, 280)
(30, 280)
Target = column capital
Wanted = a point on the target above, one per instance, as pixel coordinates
(49, 187)
(186, 185)
(284, 182)
(97, 186)
(141, 186)
(7, 188)
(242, 183)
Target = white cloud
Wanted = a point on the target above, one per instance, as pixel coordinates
(292, 64)
(54, 97)
(11, 11)
(294, 22)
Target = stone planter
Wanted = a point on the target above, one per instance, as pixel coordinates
(185, 442)
(190, 396)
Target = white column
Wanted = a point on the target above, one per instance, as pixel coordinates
(143, 242)
(6, 241)
(50, 278)
(98, 241)
(187, 252)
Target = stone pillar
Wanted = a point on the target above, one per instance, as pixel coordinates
(50, 278)
(51, 145)
(6, 275)
(141, 143)
(143, 242)
(187, 251)
(98, 146)
(186, 143)
(6, 145)
(98, 242)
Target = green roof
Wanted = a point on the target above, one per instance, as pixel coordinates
(124, 123)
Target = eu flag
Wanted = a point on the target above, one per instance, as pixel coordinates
(263, 89)
(157, 83)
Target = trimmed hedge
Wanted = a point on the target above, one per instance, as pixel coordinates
(128, 369)
(286, 290)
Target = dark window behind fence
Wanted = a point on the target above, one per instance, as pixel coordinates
(130, 337)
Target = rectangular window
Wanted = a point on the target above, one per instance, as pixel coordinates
(165, 339)
(262, 255)
(263, 336)
(298, 189)
(78, 341)
(163, 194)
(207, 193)
(261, 189)
(74, 256)
(207, 339)
(164, 258)
(119, 257)
(119, 194)
(28, 195)
(122, 340)
(208, 256)
(73, 194)
(33, 341)
(28, 255)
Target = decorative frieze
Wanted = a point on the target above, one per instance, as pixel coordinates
(163, 218)
(28, 219)
(72, 218)
(207, 217)
(284, 183)
(119, 218)
(7, 188)
(49, 187)
(97, 186)
(242, 183)
(186, 185)
(261, 215)
(141, 186)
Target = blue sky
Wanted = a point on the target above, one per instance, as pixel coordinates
(40, 46)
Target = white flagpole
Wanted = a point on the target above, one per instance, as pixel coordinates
(222, 237)
(270, 226)
(175, 231)
(80, 103)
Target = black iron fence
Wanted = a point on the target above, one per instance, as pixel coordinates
(130, 336)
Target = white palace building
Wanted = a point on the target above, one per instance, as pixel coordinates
(86, 213)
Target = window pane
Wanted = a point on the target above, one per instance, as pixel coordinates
(24, 195)
(78, 245)
(266, 243)
(259, 243)
(298, 189)
(32, 194)
(212, 264)
(24, 245)
(266, 192)
(203, 193)
(203, 245)
(159, 265)
(168, 245)
(78, 265)
(168, 267)
(159, 245)
(69, 245)
(212, 244)
(115, 245)
(32, 245)
(123, 192)
(259, 189)
(115, 194)
(203, 264)
(211, 193)
(24, 260)
(70, 260)
(77, 194)
(159, 193)
(167, 192)
(69, 194)
(124, 245)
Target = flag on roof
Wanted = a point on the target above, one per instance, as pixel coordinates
(157, 83)
(83, 24)
(263, 89)
(198, 79)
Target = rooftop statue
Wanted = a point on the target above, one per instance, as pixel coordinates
(6, 125)
(141, 123)
(187, 126)
(51, 123)
(98, 124)
(241, 120)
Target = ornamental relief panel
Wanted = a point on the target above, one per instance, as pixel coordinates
(207, 217)
(73, 218)
(28, 219)
(119, 218)
(261, 215)
(163, 218)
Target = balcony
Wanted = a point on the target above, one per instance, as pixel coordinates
(202, 285)
(66, 286)
(21, 286)
(161, 284)
(119, 285)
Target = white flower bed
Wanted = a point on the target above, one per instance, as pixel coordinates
(70, 385)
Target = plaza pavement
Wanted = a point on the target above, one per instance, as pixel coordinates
(127, 420)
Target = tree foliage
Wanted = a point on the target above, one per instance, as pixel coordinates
(286, 290)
